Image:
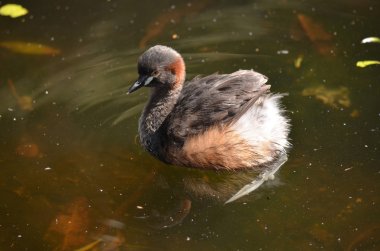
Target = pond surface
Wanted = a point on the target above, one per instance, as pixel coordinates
(73, 175)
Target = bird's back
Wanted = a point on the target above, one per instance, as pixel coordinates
(213, 100)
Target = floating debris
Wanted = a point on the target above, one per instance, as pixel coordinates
(366, 63)
(298, 61)
(348, 168)
(13, 10)
(29, 48)
(282, 52)
(370, 40)
(338, 97)
(175, 36)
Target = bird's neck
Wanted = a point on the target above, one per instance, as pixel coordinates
(159, 106)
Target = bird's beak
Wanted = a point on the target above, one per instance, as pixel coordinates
(142, 81)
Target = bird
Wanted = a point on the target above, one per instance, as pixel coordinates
(220, 121)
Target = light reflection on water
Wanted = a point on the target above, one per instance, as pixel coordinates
(75, 157)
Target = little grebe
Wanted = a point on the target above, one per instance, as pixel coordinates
(221, 121)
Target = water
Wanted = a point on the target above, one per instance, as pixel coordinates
(72, 171)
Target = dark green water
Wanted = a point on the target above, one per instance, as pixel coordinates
(73, 163)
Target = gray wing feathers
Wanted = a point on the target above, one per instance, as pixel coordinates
(212, 100)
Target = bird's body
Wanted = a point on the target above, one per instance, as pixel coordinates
(227, 121)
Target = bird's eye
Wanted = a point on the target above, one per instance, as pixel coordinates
(155, 73)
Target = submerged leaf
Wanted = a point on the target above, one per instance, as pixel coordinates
(90, 246)
(160, 22)
(335, 98)
(29, 48)
(355, 113)
(71, 227)
(13, 10)
(24, 102)
(28, 150)
(366, 63)
(174, 217)
(315, 32)
(370, 40)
